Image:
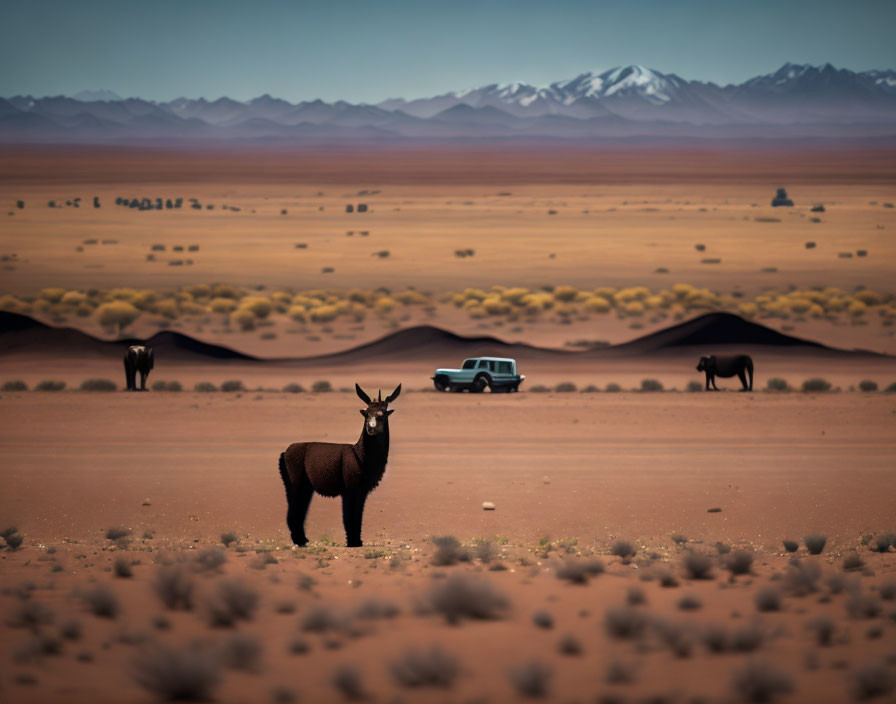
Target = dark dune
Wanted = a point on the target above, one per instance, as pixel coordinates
(23, 335)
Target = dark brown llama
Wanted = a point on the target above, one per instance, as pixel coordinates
(333, 469)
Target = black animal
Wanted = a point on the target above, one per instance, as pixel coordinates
(726, 367)
(138, 358)
(332, 469)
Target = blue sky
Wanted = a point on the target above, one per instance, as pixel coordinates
(368, 51)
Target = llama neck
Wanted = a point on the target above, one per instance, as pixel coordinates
(373, 448)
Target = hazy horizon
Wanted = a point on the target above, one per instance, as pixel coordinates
(360, 52)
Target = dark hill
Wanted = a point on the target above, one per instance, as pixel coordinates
(22, 334)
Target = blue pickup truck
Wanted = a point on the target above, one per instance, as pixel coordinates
(478, 373)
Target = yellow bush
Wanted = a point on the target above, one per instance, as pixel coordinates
(869, 298)
(634, 308)
(53, 295)
(166, 308)
(632, 293)
(655, 301)
(458, 300)
(411, 298)
(748, 310)
(259, 306)
(116, 314)
(358, 311)
(222, 305)
(477, 311)
(122, 294)
(800, 305)
(606, 292)
(192, 308)
(816, 311)
(13, 304)
(358, 296)
(324, 314)
(597, 304)
(73, 298)
(199, 291)
(857, 309)
(495, 306)
(297, 313)
(565, 293)
(144, 299)
(474, 294)
(535, 302)
(682, 291)
(514, 296)
(225, 291)
(384, 304)
(243, 318)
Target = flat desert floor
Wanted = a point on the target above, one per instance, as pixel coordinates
(636, 551)
(569, 474)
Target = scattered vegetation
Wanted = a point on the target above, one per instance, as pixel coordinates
(98, 385)
(760, 681)
(15, 386)
(122, 567)
(768, 599)
(461, 596)
(867, 385)
(739, 562)
(777, 384)
(425, 668)
(177, 674)
(871, 681)
(790, 545)
(531, 679)
(347, 681)
(242, 652)
(101, 601)
(323, 386)
(625, 622)
(697, 565)
(651, 385)
(543, 619)
(624, 549)
(174, 586)
(167, 386)
(205, 387)
(579, 570)
(815, 543)
(50, 386)
(816, 385)
(232, 386)
(449, 551)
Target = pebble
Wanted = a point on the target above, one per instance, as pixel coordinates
(147, 502)
(488, 506)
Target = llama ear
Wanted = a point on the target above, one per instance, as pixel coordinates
(361, 395)
(390, 412)
(363, 413)
(394, 395)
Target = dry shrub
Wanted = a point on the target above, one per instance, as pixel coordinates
(689, 602)
(49, 385)
(867, 385)
(174, 586)
(449, 551)
(177, 674)
(205, 387)
(651, 385)
(623, 549)
(242, 652)
(569, 645)
(30, 614)
(319, 619)
(232, 386)
(852, 561)
(791, 545)
(98, 385)
(122, 567)
(228, 538)
(777, 384)
(697, 565)
(816, 385)
(760, 681)
(565, 387)
(739, 562)
(462, 596)
(321, 387)
(377, 608)
(768, 599)
(101, 601)
(347, 681)
(872, 681)
(635, 596)
(579, 570)
(425, 668)
(543, 619)
(624, 622)
(531, 679)
(801, 577)
(815, 543)
(233, 601)
(117, 533)
(863, 606)
(612, 388)
(823, 628)
(15, 386)
(293, 389)
(210, 559)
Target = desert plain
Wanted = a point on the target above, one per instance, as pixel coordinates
(636, 551)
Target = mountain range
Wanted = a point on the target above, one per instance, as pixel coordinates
(796, 101)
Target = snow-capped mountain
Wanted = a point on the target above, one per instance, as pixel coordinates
(797, 100)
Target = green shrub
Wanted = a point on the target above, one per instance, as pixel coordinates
(777, 384)
(205, 387)
(98, 385)
(50, 386)
(868, 385)
(651, 385)
(321, 386)
(816, 384)
(232, 386)
(15, 386)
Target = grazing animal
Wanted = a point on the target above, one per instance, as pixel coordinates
(726, 367)
(333, 469)
(138, 358)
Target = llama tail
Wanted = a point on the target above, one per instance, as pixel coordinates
(750, 371)
(284, 475)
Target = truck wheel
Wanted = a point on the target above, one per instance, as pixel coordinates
(515, 388)
(479, 384)
(441, 383)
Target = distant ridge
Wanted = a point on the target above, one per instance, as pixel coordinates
(22, 334)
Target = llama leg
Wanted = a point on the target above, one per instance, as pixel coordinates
(352, 511)
(299, 499)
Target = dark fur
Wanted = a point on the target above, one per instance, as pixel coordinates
(331, 469)
(138, 360)
(740, 365)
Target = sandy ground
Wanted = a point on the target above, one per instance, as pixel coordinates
(569, 474)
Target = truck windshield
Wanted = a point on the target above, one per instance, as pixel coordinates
(469, 364)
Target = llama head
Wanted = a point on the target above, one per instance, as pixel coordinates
(377, 413)
(703, 364)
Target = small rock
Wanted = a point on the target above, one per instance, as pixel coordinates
(714, 510)
(147, 502)
(488, 506)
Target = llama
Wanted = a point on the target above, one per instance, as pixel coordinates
(333, 469)
(138, 358)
